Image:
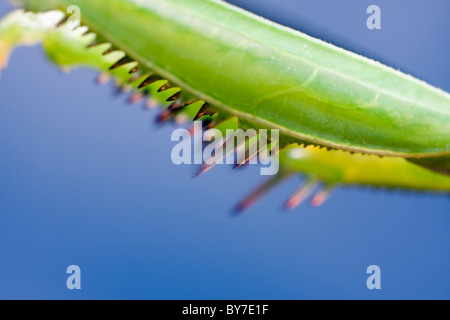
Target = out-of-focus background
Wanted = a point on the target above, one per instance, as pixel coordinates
(86, 179)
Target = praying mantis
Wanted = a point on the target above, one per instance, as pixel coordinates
(343, 119)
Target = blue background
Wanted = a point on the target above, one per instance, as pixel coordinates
(87, 179)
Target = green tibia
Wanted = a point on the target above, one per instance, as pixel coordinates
(341, 167)
(273, 76)
(69, 48)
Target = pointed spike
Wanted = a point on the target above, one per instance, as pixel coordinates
(133, 70)
(134, 76)
(204, 110)
(203, 169)
(175, 97)
(188, 103)
(86, 33)
(322, 196)
(166, 115)
(148, 81)
(212, 125)
(95, 43)
(249, 156)
(175, 106)
(303, 192)
(201, 112)
(92, 44)
(260, 191)
(62, 22)
(107, 51)
(164, 87)
(207, 165)
(121, 62)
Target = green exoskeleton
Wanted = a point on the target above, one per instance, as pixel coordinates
(217, 59)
